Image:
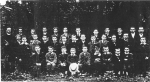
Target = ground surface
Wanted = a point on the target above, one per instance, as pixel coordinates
(56, 77)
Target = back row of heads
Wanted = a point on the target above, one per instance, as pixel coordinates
(74, 37)
(78, 30)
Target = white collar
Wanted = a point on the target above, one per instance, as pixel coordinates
(64, 42)
(141, 34)
(143, 43)
(38, 52)
(8, 34)
(73, 54)
(73, 41)
(64, 53)
(127, 53)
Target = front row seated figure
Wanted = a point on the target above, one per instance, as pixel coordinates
(118, 63)
(107, 59)
(84, 60)
(127, 62)
(72, 60)
(62, 61)
(51, 59)
(96, 63)
(36, 59)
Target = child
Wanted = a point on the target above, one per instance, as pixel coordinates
(54, 43)
(36, 60)
(84, 60)
(96, 63)
(117, 60)
(92, 44)
(107, 59)
(51, 59)
(96, 34)
(72, 60)
(82, 42)
(78, 33)
(24, 56)
(62, 61)
(66, 34)
(34, 42)
(74, 43)
(64, 42)
(128, 61)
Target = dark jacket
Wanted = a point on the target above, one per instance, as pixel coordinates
(85, 58)
(52, 57)
(72, 59)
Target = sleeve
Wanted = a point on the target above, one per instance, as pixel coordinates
(80, 57)
(60, 39)
(46, 57)
(100, 44)
(58, 58)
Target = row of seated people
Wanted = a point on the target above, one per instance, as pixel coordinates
(23, 50)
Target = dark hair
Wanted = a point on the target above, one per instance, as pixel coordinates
(63, 47)
(50, 47)
(55, 28)
(84, 46)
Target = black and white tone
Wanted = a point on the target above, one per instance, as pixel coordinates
(75, 40)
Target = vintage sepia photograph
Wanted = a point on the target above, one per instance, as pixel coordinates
(75, 40)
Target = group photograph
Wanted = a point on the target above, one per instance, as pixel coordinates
(75, 40)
